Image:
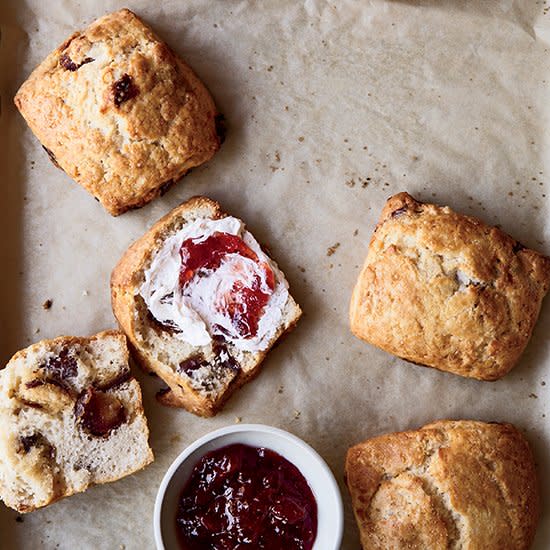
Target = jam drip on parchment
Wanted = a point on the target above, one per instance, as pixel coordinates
(244, 303)
(246, 497)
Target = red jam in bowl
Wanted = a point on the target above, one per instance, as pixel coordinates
(246, 497)
(245, 303)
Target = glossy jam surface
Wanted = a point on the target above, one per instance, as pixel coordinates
(244, 303)
(246, 497)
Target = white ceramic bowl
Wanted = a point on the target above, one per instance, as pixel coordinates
(330, 517)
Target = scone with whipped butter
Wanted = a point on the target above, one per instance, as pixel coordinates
(447, 291)
(201, 304)
(120, 112)
(71, 416)
(461, 484)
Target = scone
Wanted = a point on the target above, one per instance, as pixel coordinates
(201, 304)
(460, 485)
(445, 290)
(120, 112)
(70, 417)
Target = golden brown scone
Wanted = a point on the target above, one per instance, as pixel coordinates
(119, 112)
(447, 291)
(450, 485)
(70, 416)
(200, 377)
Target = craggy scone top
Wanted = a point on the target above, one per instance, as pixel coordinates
(119, 112)
(446, 290)
(452, 485)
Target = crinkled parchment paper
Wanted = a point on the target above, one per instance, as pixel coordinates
(331, 107)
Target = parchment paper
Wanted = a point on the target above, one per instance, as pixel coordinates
(331, 107)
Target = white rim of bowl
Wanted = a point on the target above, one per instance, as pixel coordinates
(263, 428)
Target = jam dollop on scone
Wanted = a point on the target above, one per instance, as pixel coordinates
(447, 291)
(120, 112)
(201, 303)
(70, 417)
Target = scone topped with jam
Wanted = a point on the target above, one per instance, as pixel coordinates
(70, 417)
(201, 304)
(120, 112)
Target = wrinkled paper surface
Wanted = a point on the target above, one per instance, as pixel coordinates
(331, 107)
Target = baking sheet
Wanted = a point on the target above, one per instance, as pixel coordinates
(331, 107)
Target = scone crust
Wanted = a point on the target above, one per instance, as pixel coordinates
(451, 484)
(447, 291)
(123, 139)
(75, 342)
(125, 282)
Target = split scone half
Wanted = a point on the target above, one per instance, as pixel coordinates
(459, 485)
(120, 112)
(447, 291)
(201, 304)
(70, 417)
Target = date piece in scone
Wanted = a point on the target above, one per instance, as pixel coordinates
(451, 485)
(70, 417)
(119, 112)
(201, 304)
(447, 291)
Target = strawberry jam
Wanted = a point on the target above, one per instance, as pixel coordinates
(245, 497)
(245, 301)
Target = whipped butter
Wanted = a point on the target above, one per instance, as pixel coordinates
(193, 309)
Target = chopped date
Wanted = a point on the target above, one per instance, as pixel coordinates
(167, 326)
(69, 65)
(124, 89)
(222, 358)
(193, 363)
(99, 412)
(61, 366)
(29, 441)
